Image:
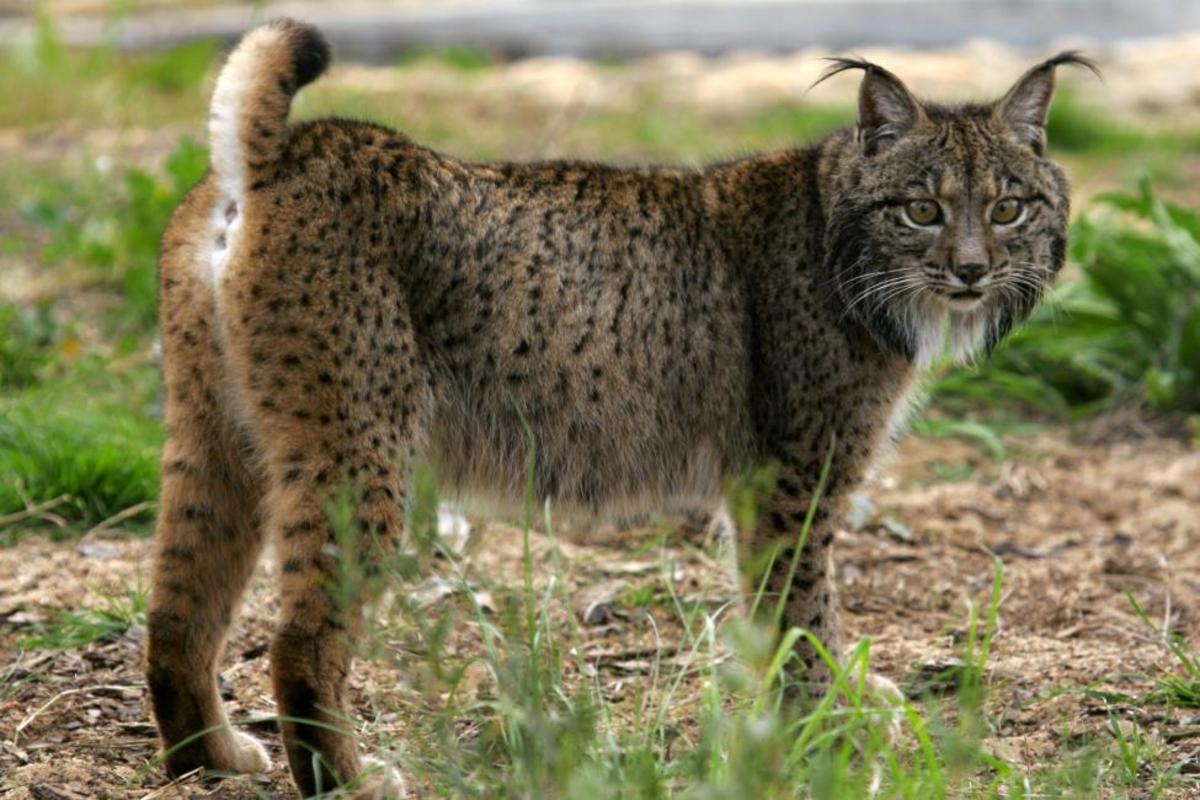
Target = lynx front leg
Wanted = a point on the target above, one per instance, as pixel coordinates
(808, 594)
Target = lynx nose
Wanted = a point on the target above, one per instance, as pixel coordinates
(970, 273)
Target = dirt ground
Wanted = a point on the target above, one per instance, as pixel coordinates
(1077, 524)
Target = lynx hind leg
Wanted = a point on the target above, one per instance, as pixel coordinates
(338, 410)
(207, 537)
(322, 593)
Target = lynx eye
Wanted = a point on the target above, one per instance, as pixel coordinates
(923, 212)
(1006, 211)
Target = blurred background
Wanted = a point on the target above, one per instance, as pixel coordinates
(376, 31)
(102, 109)
(1077, 438)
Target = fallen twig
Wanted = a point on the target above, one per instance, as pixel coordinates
(37, 712)
(121, 516)
(174, 785)
(32, 511)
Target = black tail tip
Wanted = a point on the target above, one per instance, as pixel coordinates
(310, 50)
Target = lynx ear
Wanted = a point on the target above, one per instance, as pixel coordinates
(887, 111)
(1022, 112)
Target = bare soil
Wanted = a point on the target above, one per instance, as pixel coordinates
(1076, 524)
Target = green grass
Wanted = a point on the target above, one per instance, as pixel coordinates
(985, 437)
(43, 83)
(1181, 690)
(100, 459)
(72, 630)
(1075, 128)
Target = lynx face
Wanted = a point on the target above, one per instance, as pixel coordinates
(947, 214)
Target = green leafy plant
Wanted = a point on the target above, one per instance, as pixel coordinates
(1149, 273)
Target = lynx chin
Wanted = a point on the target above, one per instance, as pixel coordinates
(337, 299)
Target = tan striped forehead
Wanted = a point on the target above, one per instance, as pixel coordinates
(969, 166)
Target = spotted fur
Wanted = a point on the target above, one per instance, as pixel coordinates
(336, 298)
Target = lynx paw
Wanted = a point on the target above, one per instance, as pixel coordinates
(243, 754)
(379, 782)
(885, 699)
(882, 691)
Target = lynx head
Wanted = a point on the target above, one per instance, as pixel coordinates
(945, 213)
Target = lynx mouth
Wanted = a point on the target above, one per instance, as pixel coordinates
(964, 299)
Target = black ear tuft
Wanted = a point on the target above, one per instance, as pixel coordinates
(840, 64)
(1073, 58)
(887, 110)
(1022, 111)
